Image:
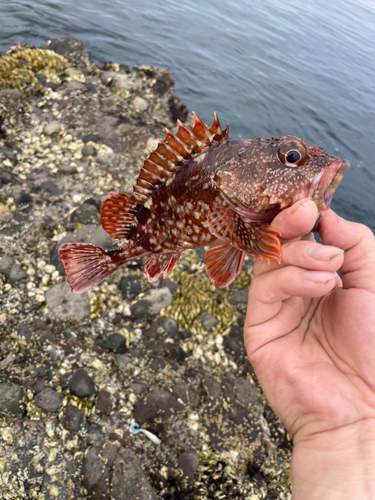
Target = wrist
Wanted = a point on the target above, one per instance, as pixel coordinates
(336, 464)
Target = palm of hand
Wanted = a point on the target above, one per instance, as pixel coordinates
(315, 355)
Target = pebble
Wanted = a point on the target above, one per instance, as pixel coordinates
(166, 326)
(245, 393)
(129, 481)
(11, 399)
(93, 83)
(47, 187)
(233, 344)
(213, 388)
(87, 213)
(88, 150)
(95, 475)
(23, 330)
(153, 303)
(130, 286)
(188, 462)
(106, 159)
(208, 321)
(24, 202)
(81, 384)
(53, 128)
(114, 342)
(139, 385)
(73, 419)
(73, 85)
(12, 270)
(104, 402)
(157, 404)
(63, 303)
(67, 170)
(238, 297)
(122, 361)
(48, 400)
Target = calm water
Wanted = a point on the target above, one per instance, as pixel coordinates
(270, 68)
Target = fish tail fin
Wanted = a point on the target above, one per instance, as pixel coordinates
(86, 265)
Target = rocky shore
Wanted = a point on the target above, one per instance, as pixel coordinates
(77, 370)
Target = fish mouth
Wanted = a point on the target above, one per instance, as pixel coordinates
(326, 183)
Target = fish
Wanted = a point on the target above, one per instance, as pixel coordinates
(199, 188)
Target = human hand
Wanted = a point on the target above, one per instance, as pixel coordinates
(310, 337)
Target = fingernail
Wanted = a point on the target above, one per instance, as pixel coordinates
(324, 252)
(295, 207)
(320, 276)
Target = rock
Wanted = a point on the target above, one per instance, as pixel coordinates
(164, 81)
(88, 150)
(82, 385)
(158, 403)
(162, 327)
(73, 85)
(95, 475)
(67, 170)
(126, 82)
(213, 388)
(11, 269)
(7, 361)
(129, 481)
(110, 453)
(47, 188)
(73, 419)
(122, 361)
(114, 342)
(86, 234)
(106, 77)
(11, 99)
(140, 104)
(6, 177)
(53, 128)
(73, 50)
(172, 285)
(87, 213)
(130, 286)
(238, 297)
(92, 83)
(104, 402)
(11, 399)
(233, 343)
(245, 393)
(91, 138)
(48, 400)
(138, 386)
(23, 330)
(152, 303)
(63, 303)
(188, 462)
(41, 78)
(106, 159)
(208, 321)
(178, 109)
(10, 154)
(24, 202)
(180, 389)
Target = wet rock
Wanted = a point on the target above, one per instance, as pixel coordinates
(41, 78)
(227, 386)
(178, 109)
(47, 188)
(158, 403)
(39, 386)
(106, 77)
(138, 386)
(73, 419)
(53, 128)
(91, 138)
(114, 342)
(104, 402)
(238, 297)
(11, 99)
(164, 81)
(73, 50)
(110, 453)
(87, 213)
(86, 234)
(180, 389)
(24, 202)
(88, 150)
(81, 384)
(6, 177)
(48, 400)
(129, 481)
(162, 327)
(233, 343)
(172, 285)
(23, 330)
(208, 321)
(213, 388)
(11, 399)
(92, 83)
(11, 269)
(157, 364)
(61, 302)
(125, 82)
(188, 462)
(130, 286)
(73, 85)
(152, 303)
(95, 475)
(7, 361)
(122, 361)
(67, 170)
(245, 393)
(140, 104)
(107, 159)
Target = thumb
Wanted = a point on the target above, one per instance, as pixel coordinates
(358, 242)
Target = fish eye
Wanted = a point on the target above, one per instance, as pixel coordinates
(293, 154)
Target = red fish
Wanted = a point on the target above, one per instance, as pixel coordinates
(200, 188)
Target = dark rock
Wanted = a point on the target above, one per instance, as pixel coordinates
(152, 303)
(52, 85)
(138, 386)
(178, 109)
(227, 386)
(73, 85)
(158, 403)
(188, 462)
(114, 342)
(87, 213)
(73, 419)
(92, 83)
(213, 389)
(122, 361)
(238, 297)
(85, 234)
(95, 475)
(48, 400)
(41, 78)
(73, 50)
(88, 150)
(208, 321)
(11, 399)
(233, 343)
(82, 385)
(130, 286)
(23, 330)
(129, 481)
(157, 364)
(172, 285)
(110, 453)
(39, 386)
(104, 402)
(11, 99)
(9, 153)
(91, 138)
(61, 302)
(47, 188)
(6, 177)
(245, 393)
(239, 415)
(180, 389)
(67, 170)
(164, 81)
(162, 328)
(24, 202)
(11, 269)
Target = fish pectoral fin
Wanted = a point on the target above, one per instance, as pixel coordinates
(223, 263)
(86, 265)
(254, 238)
(158, 264)
(117, 215)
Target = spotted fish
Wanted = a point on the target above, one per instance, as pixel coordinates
(201, 188)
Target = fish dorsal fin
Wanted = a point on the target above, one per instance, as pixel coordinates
(173, 151)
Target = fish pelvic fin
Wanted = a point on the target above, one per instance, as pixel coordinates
(86, 265)
(160, 264)
(118, 214)
(223, 263)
